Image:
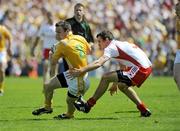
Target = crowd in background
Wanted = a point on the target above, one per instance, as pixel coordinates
(148, 23)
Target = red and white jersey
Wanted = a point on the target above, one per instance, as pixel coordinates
(48, 35)
(127, 54)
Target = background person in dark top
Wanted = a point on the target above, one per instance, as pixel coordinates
(79, 26)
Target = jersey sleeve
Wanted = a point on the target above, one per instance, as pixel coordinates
(7, 33)
(110, 51)
(58, 51)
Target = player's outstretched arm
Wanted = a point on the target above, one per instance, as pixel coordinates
(94, 65)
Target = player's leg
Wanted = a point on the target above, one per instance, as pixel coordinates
(177, 74)
(106, 79)
(46, 64)
(124, 83)
(70, 99)
(55, 82)
(46, 74)
(49, 88)
(2, 71)
(73, 94)
(132, 95)
(2, 75)
(139, 77)
(76, 89)
(70, 104)
(102, 87)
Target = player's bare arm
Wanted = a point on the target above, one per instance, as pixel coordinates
(53, 62)
(9, 47)
(96, 64)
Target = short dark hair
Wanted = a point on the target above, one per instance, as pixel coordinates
(79, 5)
(105, 34)
(64, 24)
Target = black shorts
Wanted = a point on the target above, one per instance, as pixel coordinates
(122, 78)
(65, 65)
(62, 80)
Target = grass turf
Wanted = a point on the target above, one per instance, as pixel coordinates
(111, 113)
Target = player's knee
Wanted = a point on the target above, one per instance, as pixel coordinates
(122, 88)
(47, 87)
(106, 77)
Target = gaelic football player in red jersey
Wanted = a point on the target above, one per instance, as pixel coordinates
(138, 68)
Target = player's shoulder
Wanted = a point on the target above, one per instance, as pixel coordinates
(81, 39)
(59, 46)
(71, 20)
(2, 27)
(62, 42)
(116, 44)
(5, 30)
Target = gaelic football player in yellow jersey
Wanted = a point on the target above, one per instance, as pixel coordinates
(74, 49)
(5, 38)
(177, 58)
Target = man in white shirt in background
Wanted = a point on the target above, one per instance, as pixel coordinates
(48, 36)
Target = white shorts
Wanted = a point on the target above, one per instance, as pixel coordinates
(76, 86)
(177, 58)
(3, 59)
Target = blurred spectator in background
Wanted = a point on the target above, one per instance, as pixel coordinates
(147, 23)
(47, 34)
(159, 61)
(177, 59)
(5, 38)
(5, 15)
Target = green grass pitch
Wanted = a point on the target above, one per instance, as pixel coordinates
(111, 113)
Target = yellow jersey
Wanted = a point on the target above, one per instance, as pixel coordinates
(4, 35)
(74, 49)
